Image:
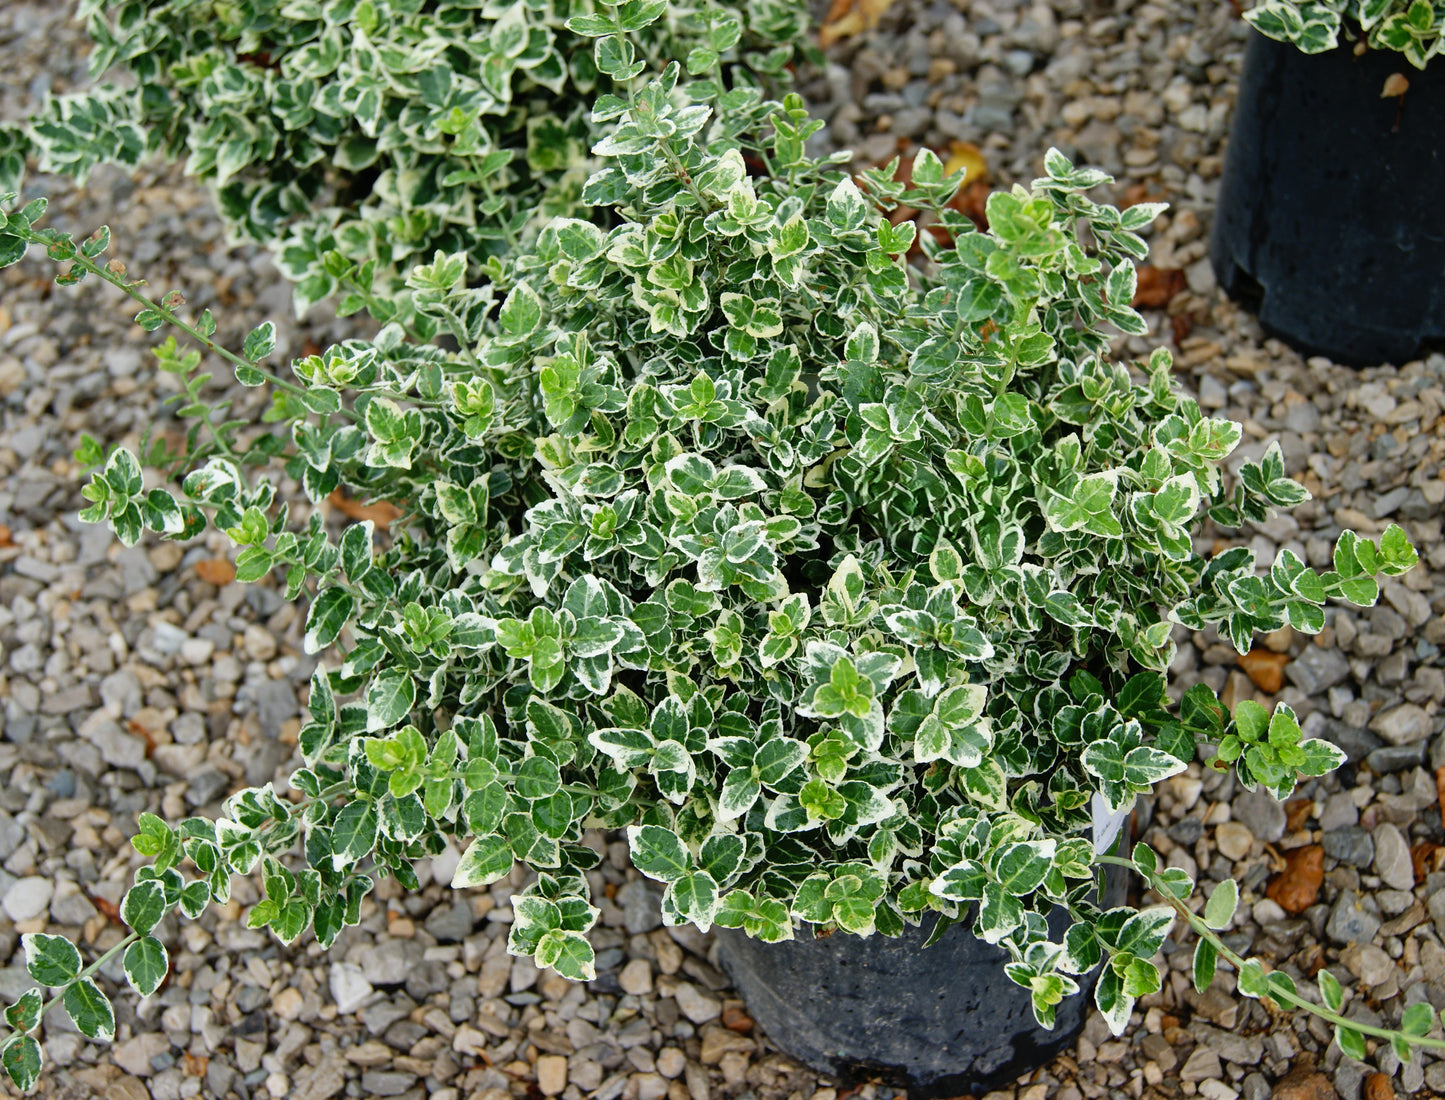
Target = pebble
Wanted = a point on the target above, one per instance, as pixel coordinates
(1261, 814)
(551, 1074)
(1392, 858)
(696, 1005)
(1350, 922)
(1350, 844)
(349, 987)
(1403, 725)
(1233, 840)
(28, 898)
(636, 977)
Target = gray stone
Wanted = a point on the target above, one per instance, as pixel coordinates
(69, 905)
(1350, 844)
(1350, 922)
(121, 692)
(386, 1083)
(1261, 814)
(12, 835)
(119, 749)
(390, 962)
(641, 905)
(349, 987)
(1403, 725)
(696, 1005)
(451, 923)
(275, 702)
(1392, 858)
(135, 1055)
(1317, 669)
(1396, 758)
(1357, 743)
(1339, 810)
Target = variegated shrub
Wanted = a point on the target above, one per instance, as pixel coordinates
(845, 587)
(1411, 27)
(382, 130)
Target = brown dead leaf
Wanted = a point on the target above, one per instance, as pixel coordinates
(1136, 193)
(4, 535)
(1425, 857)
(734, 1018)
(1396, 84)
(1296, 887)
(1157, 285)
(217, 571)
(849, 17)
(966, 155)
(382, 513)
(1378, 1087)
(1296, 812)
(1264, 668)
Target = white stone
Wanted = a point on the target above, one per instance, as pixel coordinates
(28, 898)
(349, 987)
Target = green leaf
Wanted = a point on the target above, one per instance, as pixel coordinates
(90, 1009)
(1352, 1042)
(24, 1014)
(21, 1053)
(1219, 910)
(330, 611)
(260, 342)
(486, 860)
(354, 833)
(1330, 991)
(1205, 958)
(51, 960)
(568, 953)
(145, 965)
(143, 906)
(658, 853)
(389, 698)
(1417, 1019)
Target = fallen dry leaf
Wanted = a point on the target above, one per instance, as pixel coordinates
(1296, 812)
(382, 513)
(1136, 193)
(967, 155)
(1157, 285)
(1378, 1087)
(4, 535)
(1296, 887)
(735, 1019)
(1395, 84)
(850, 17)
(1424, 858)
(1264, 668)
(217, 571)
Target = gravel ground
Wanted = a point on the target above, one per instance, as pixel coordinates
(139, 679)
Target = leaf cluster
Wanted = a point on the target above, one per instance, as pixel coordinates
(1414, 28)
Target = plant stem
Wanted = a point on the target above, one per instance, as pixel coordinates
(1195, 921)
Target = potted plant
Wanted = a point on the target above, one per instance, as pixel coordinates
(380, 130)
(844, 587)
(1329, 223)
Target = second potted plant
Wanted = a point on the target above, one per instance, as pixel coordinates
(1330, 223)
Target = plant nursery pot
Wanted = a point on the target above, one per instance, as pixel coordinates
(939, 1021)
(1331, 216)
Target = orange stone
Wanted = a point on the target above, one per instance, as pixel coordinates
(217, 571)
(1265, 668)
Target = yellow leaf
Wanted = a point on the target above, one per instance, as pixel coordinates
(849, 17)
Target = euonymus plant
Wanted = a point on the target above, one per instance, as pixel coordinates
(845, 587)
(1411, 27)
(382, 130)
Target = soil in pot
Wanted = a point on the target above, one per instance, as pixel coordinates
(939, 1021)
(1331, 216)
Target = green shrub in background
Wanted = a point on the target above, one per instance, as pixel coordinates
(846, 587)
(384, 130)
(1410, 27)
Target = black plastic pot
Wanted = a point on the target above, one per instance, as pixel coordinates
(939, 1021)
(1331, 216)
